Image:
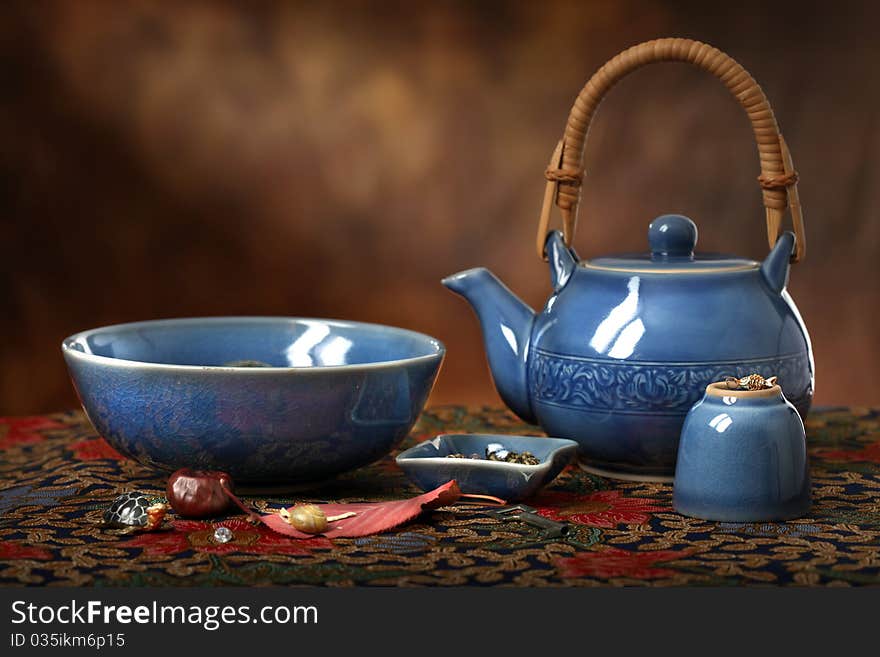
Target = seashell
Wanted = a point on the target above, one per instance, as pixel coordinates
(308, 518)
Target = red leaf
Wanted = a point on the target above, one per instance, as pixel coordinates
(372, 517)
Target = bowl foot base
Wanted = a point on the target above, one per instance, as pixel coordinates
(623, 475)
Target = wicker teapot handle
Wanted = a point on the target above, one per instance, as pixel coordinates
(778, 179)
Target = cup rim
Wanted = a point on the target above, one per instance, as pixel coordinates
(720, 389)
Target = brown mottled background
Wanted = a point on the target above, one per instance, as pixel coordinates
(161, 159)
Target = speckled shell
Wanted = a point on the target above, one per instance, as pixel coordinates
(129, 510)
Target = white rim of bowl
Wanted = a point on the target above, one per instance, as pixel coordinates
(68, 349)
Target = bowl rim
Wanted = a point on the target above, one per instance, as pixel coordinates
(68, 350)
(406, 458)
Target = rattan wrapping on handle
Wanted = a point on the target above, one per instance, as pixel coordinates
(778, 179)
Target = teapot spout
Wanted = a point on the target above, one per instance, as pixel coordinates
(777, 264)
(507, 326)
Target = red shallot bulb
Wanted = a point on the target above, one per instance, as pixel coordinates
(199, 493)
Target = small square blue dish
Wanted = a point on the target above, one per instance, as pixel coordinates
(428, 464)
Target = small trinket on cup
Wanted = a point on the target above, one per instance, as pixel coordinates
(750, 382)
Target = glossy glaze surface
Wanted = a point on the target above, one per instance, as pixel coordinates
(428, 467)
(626, 345)
(742, 458)
(333, 396)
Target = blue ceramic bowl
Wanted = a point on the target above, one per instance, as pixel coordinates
(742, 458)
(427, 464)
(266, 399)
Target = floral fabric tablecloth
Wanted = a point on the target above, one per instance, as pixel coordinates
(57, 476)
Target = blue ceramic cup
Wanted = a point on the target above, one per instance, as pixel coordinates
(742, 458)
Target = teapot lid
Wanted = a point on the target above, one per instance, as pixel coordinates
(672, 238)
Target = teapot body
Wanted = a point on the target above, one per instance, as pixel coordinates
(619, 355)
(627, 344)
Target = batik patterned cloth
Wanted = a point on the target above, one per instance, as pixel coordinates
(57, 477)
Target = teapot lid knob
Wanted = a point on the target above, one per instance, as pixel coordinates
(672, 236)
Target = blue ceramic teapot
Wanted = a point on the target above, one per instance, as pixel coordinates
(625, 345)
